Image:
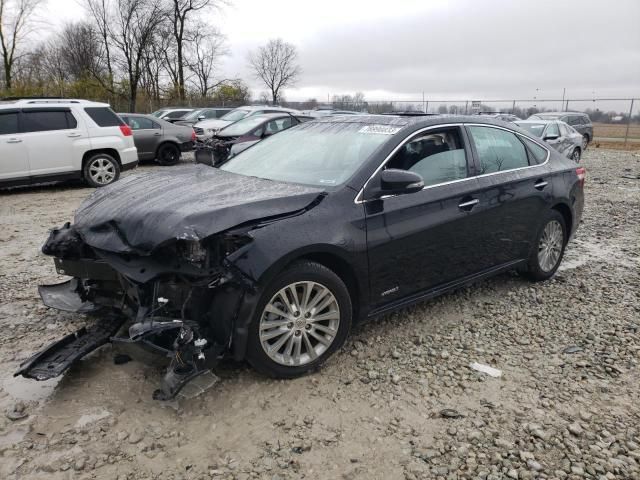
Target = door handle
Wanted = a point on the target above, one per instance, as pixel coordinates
(540, 184)
(14, 140)
(157, 134)
(74, 135)
(468, 205)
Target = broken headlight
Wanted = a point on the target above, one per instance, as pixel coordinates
(193, 252)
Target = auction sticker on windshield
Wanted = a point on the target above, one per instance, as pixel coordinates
(380, 129)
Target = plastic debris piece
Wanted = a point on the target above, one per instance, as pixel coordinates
(572, 349)
(481, 367)
(450, 413)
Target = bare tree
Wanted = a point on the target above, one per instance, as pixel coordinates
(100, 11)
(276, 65)
(15, 23)
(182, 11)
(81, 51)
(205, 50)
(132, 32)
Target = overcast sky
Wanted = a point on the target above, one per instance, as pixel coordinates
(456, 49)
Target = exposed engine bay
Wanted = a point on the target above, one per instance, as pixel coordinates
(161, 273)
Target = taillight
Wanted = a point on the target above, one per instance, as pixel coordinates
(126, 130)
(581, 172)
(193, 136)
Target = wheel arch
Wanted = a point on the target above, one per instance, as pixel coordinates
(567, 215)
(169, 141)
(109, 151)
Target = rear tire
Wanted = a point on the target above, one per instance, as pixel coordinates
(575, 155)
(168, 154)
(101, 169)
(548, 250)
(585, 142)
(286, 342)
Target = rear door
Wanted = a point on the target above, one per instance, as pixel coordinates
(147, 134)
(14, 158)
(516, 190)
(49, 135)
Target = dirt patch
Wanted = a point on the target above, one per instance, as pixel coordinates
(376, 409)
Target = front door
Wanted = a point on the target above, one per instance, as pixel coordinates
(14, 159)
(421, 240)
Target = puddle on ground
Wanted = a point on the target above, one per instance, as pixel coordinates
(14, 436)
(579, 253)
(93, 417)
(28, 390)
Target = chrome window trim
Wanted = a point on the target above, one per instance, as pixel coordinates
(358, 199)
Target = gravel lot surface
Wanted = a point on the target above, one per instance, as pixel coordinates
(398, 402)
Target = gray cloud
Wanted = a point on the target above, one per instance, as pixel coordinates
(484, 49)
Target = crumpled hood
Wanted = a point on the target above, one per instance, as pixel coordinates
(142, 211)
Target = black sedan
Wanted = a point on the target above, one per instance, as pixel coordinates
(274, 256)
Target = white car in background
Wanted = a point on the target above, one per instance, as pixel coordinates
(208, 128)
(47, 140)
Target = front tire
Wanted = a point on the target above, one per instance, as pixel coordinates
(168, 154)
(550, 242)
(304, 315)
(100, 170)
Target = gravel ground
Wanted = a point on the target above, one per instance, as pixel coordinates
(398, 402)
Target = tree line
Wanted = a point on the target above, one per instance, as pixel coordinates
(128, 52)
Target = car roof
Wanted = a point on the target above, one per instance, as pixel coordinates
(543, 121)
(56, 102)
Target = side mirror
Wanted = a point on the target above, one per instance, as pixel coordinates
(201, 117)
(552, 136)
(395, 182)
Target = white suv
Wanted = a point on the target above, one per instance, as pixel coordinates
(45, 140)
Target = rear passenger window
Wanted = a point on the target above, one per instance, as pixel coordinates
(538, 154)
(43, 120)
(438, 157)
(103, 116)
(141, 123)
(8, 123)
(498, 150)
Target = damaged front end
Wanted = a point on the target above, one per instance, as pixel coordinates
(180, 300)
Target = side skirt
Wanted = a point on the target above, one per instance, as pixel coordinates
(444, 288)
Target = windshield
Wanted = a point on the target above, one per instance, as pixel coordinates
(193, 115)
(319, 154)
(533, 128)
(235, 115)
(242, 127)
(157, 113)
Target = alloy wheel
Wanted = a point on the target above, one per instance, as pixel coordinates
(299, 323)
(102, 171)
(550, 246)
(576, 155)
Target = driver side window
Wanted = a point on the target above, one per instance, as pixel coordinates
(437, 156)
(552, 129)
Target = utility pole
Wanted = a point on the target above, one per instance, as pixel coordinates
(564, 90)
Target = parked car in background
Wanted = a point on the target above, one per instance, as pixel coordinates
(505, 117)
(558, 134)
(171, 114)
(159, 140)
(45, 140)
(577, 120)
(291, 242)
(201, 114)
(208, 128)
(244, 133)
